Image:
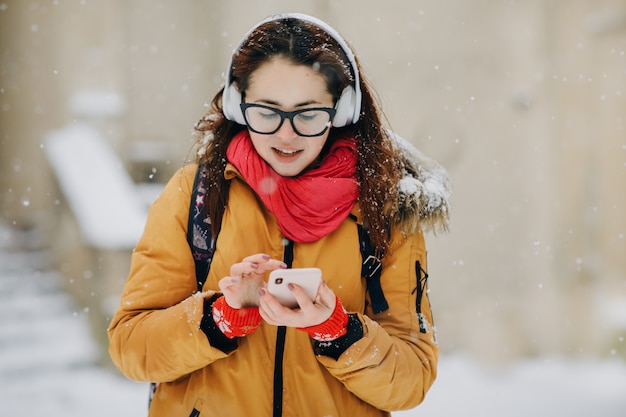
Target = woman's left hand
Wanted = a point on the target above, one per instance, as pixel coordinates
(310, 312)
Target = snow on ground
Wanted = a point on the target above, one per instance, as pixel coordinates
(537, 388)
(49, 364)
(48, 361)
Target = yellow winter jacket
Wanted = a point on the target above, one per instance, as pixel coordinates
(155, 334)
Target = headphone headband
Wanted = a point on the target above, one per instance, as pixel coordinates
(349, 103)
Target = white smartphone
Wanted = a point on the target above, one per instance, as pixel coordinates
(308, 279)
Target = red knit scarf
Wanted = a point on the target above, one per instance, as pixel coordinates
(311, 205)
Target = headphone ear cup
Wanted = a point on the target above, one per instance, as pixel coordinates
(346, 108)
(231, 101)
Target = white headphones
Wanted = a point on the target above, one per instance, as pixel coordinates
(348, 106)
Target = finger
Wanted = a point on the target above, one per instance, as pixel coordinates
(269, 307)
(301, 296)
(259, 263)
(270, 265)
(264, 262)
(274, 307)
(267, 301)
(243, 269)
(326, 296)
(227, 283)
(257, 258)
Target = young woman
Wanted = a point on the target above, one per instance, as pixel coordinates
(296, 171)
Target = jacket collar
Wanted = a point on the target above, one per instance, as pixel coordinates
(424, 192)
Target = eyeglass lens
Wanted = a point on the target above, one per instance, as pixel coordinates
(267, 120)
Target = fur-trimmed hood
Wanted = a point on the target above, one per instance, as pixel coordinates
(425, 191)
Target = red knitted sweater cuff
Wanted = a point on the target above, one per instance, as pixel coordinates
(235, 322)
(334, 327)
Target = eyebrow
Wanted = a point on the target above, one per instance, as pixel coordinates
(275, 103)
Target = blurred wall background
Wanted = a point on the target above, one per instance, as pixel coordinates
(522, 101)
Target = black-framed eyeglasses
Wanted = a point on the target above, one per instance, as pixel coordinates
(305, 122)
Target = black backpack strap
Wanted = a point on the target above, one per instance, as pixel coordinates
(199, 236)
(421, 289)
(371, 270)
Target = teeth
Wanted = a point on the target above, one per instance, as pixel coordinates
(286, 153)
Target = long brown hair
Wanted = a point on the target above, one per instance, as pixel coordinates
(303, 43)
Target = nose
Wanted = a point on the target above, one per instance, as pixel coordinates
(286, 130)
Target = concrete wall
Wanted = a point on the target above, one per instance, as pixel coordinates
(523, 102)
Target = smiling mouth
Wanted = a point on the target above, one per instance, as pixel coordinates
(284, 152)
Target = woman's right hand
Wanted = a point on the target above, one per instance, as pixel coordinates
(241, 288)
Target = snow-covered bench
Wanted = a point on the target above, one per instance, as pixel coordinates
(104, 200)
(101, 220)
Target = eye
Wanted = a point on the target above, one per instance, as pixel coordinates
(308, 116)
(267, 114)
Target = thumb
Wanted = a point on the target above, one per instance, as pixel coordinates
(326, 296)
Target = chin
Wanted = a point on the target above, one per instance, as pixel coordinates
(284, 173)
(287, 170)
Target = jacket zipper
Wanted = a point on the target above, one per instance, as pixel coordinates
(278, 371)
(280, 346)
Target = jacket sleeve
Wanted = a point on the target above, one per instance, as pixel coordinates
(394, 363)
(155, 334)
